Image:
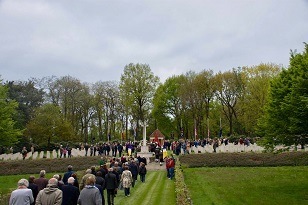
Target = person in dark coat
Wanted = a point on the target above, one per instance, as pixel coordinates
(70, 192)
(111, 185)
(101, 190)
(142, 171)
(68, 174)
(33, 187)
(42, 181)
(133, 168)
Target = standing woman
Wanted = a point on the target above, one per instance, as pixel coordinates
(90, 195)
(126, 179)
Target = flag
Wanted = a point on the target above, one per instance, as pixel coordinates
(196, 135)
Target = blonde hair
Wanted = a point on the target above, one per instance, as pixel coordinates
(90, 180)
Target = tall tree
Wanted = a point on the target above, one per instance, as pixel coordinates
(229, 90)
(8, 134)
(168, 105)
(28, 96)
(256, 93)
(286, 115)
(137, 87)
(48, 126)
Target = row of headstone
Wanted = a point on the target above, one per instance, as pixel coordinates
(238, 148)
(206, 149)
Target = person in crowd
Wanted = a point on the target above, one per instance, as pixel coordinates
(84, 178)
(70, 192)
(111, 185)
(167, 160)
(24, 153)
(126, 180)
(76, 184)
(68, 174)
(120, 149)
(33, 187)
(59, 178)
(99, 179)
(100, 184)
(142, 172)
(61, 151)
(90, 195)
(93, 170)
(22, 195)
(86, 147)
(50, 195)
(32, 149)
(41, 182)
(171, 166)
(133, 168)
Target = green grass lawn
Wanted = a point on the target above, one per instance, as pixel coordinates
(243, 185)
(157, 189)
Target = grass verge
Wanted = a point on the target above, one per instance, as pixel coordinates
(248, 185)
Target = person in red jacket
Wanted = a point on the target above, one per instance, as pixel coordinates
(171, 165)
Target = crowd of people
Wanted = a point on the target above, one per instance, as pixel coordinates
(112, 174)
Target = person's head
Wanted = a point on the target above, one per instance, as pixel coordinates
(125, 167)
(31, 179)
(88, 171)
(23, 182)
(90, 180)
(42, 173)
(56, 176)
(69, 167)
(71, 180)
(99, 173)
(110, 169)
(53, 181)
(93, 168)
(74, 175)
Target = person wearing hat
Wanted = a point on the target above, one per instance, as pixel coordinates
(22, 195)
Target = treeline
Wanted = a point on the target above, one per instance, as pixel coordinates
(265, 101)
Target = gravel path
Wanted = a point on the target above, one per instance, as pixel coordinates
(154, 166)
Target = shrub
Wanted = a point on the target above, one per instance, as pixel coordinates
(245, 159)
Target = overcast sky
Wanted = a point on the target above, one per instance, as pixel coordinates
(93, 40)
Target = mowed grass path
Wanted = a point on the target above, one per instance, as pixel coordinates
(156, 190)
(243, 185)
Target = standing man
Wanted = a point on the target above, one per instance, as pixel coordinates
(22, 195)
(111, 186)
(68, 174)
(70, 192)
(51, 195)
(42, 181)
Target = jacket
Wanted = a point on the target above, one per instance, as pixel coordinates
(51, 195)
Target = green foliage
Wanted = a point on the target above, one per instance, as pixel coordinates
(8, 134)
(285, 120)
(245, 159)
(28, 97)
(49, 126)
(137, 88)
(182, 193)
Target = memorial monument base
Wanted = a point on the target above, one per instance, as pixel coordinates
(145, 153)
